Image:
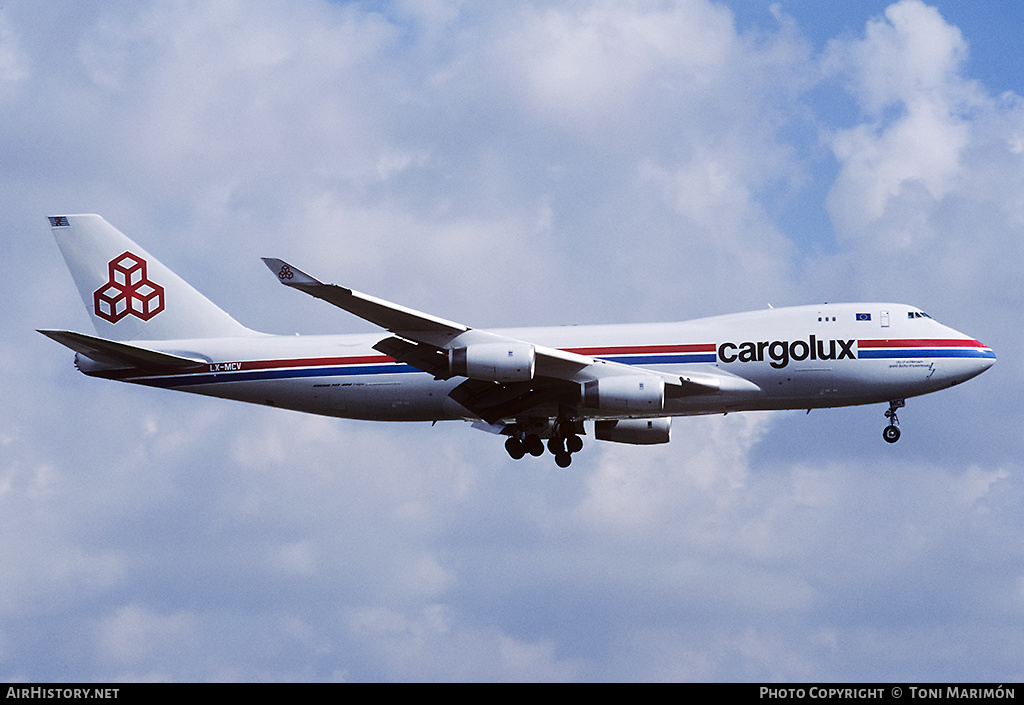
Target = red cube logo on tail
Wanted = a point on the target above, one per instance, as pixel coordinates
(128, 290)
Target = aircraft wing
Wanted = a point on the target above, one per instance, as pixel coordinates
(387, 315)
(421, 328)
(427, 342)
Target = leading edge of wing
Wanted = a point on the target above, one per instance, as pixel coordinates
(392, 317)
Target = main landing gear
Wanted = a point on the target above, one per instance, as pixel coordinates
(562, 443)
(891, 433)
(519, 444)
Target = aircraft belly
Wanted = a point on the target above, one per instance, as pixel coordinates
(415, 397)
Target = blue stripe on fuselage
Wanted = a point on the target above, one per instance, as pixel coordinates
(923, 352)
(678, 359)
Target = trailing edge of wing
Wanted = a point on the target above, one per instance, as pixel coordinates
(113, 353)
(423, 357)
(392, 317)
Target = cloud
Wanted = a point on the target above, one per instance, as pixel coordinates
(13, 61)
(427, 646)
(911, 53)
(906, 75)
(925, 197)
(134, 634)
(593, 62)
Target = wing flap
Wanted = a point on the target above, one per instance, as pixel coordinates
(428, 358)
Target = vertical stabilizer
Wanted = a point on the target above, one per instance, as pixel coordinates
(128, 293)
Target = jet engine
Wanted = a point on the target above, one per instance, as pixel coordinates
(494, 362)
(630, 393)
(638, 432)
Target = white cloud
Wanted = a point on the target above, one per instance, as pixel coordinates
(922, 148)
(911, 53)
(13, 61)
(592, 62)
(627, 498)
(428, 645)
(135, 635)
(906, 75)
(927, 201)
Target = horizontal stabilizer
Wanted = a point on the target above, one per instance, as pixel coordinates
(120, 354)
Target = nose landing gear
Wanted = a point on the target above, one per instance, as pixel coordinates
(891, 433)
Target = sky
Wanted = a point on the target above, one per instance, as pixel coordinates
(504, 164)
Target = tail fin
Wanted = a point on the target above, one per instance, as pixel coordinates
(128, 293)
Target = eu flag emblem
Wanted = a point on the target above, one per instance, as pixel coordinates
(863, 316)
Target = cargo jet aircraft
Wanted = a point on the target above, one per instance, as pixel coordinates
(530, 385)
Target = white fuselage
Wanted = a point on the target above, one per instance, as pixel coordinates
(798, 358)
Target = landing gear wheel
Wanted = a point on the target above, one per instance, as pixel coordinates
(534, 445)
(563, 459)
(556, 445)
(891, 434)
(574, 444)
(515, 448)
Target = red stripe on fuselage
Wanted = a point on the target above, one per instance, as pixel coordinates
(920, 343)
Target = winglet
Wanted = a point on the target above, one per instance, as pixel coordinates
(289, 275)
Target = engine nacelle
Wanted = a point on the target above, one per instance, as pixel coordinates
(638, 432)
(494, 362)
(631, 393)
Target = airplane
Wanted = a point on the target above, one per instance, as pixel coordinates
(533, 386)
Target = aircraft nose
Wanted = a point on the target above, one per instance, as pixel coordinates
(981, 358)
(961, 358)
(988, 359)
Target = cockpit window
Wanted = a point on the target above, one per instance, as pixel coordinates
(917, 314)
